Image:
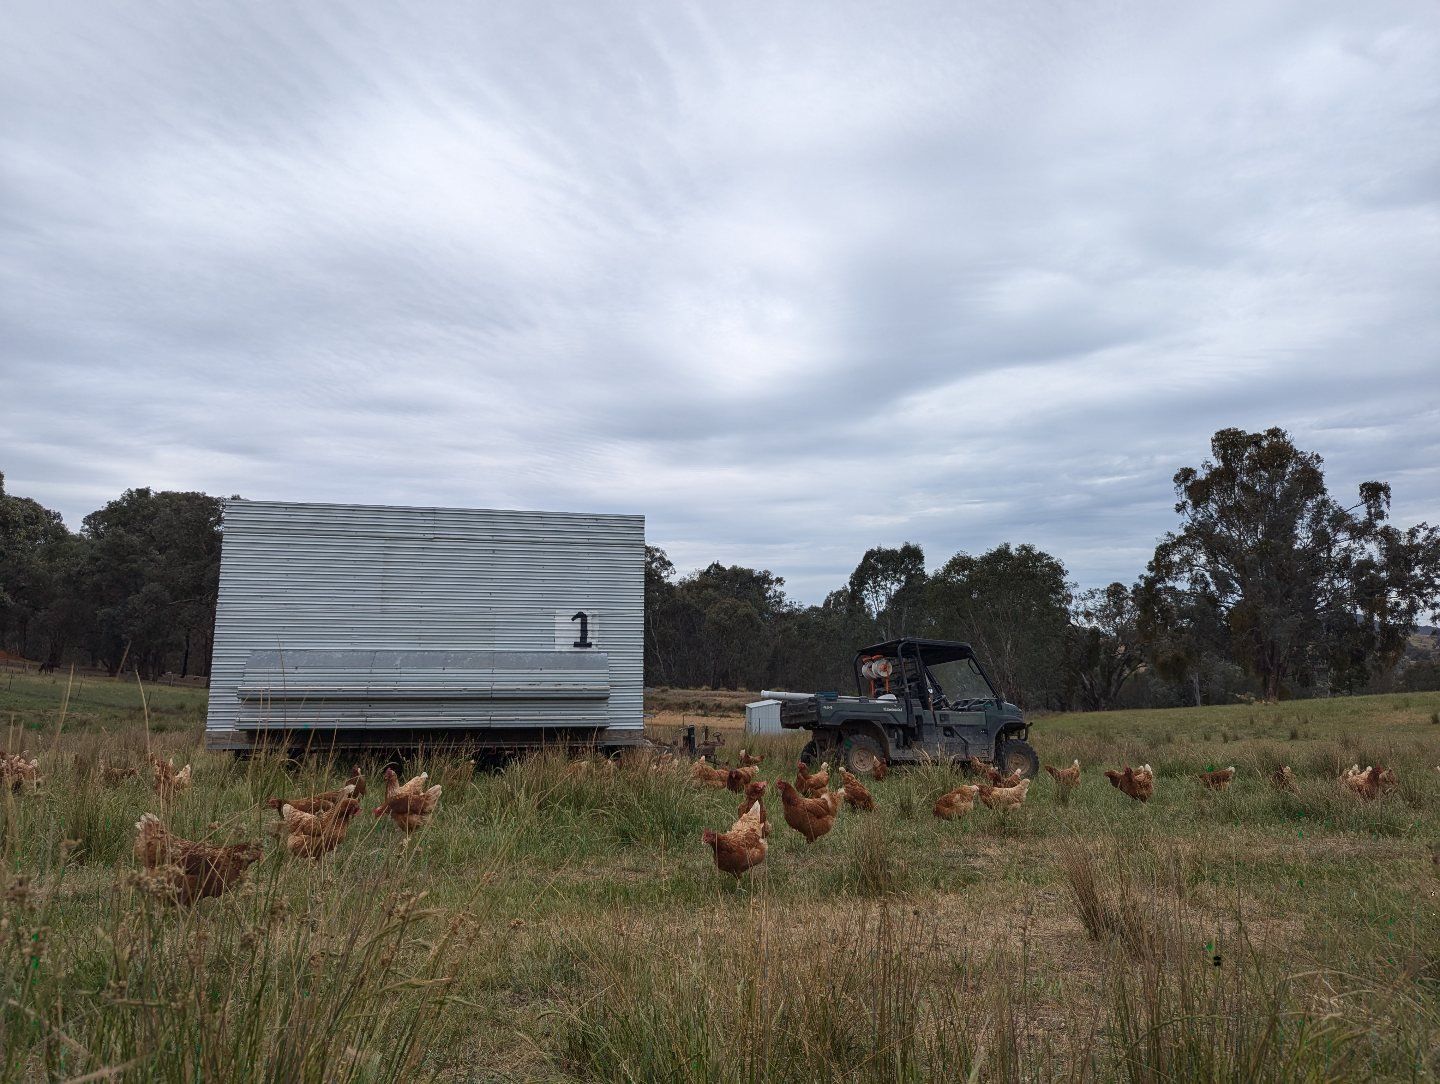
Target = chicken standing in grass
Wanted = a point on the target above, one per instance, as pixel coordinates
(1004, 798)
(357, 780)
(17, 773)
(1218, 779)
(812, 784)
(755, 796)
(311, 835)
(1369, 784)
(881, 769)
(811, 817)
(737, 779)
(1065, 778)
(748, 760)
(169, 783)
(410, 806)
(741, 848)
(184, 871)
(317, 803)
(856, 796)
(992, 774)
(1282, 778)
(703, 775)
(1138, 783)
(957, 802)
(1353, 780)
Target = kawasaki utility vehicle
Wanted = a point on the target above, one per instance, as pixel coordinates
(915, 700)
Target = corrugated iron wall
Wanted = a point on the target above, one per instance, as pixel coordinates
(357, 577)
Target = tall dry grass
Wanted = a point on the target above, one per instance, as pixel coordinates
(564, 924)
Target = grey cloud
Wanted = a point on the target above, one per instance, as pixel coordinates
(791, 281)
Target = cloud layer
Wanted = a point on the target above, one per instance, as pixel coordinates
(792, 280)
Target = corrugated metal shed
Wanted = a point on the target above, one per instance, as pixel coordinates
(763, 717)
(353, 617)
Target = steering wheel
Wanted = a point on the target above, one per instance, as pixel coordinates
(938, 700)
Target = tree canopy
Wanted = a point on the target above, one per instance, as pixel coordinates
(1308, 591)
(135, 587)
(1269, 586)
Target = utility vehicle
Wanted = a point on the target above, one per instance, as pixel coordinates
(915, 700)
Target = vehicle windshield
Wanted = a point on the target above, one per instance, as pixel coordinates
(961, 680)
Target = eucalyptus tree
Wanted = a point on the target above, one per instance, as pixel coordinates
(1310, 591)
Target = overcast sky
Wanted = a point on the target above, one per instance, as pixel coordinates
(791, 280)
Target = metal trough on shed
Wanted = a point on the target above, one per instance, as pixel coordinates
(301, 690)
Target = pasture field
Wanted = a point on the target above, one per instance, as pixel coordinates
(667, 710)
(557, 927)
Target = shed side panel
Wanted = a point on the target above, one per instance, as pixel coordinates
(305, 576)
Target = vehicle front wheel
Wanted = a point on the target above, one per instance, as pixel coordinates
(1017, 755)
(861, 754)
(807, 755)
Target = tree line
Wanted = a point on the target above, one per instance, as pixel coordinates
(133, 589)
(1267, 587)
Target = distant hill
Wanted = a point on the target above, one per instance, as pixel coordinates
(1424, 643)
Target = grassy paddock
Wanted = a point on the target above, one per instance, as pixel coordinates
(550, 927)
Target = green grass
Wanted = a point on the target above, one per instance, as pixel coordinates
(554, 928)
(95, 703)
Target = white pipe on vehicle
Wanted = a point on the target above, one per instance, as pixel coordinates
(770, 694)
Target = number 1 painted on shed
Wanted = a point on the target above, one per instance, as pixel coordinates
(584, 620)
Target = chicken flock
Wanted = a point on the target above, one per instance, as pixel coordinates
(182, 871)
(310, 826)
(314, 825)
(810, 807)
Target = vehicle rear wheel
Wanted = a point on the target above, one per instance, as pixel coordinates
(860, 754)
(1017, 755)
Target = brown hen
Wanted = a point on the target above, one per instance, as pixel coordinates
(1065, 777)
(1369, 784)
(856, 796)
(812, 784)
(1137, 783)
(16, 772)
(703, 775)
(1218, 779)
(755, 795)
(168, 782)
(957, 802)
(1004, 798)
(1282, 778)
(811, 817)
(309, 835)
(737, 779)
(410, 806)
(741, 848)
(183, 871)
(317, 803)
